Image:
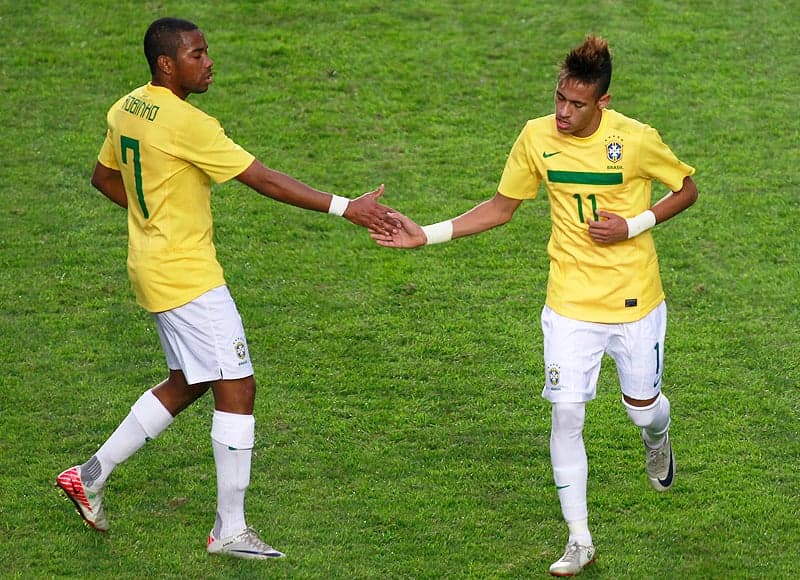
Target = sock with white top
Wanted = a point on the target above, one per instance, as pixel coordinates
(233, 438)
(653, 420)
(571, 468)
(146, 420)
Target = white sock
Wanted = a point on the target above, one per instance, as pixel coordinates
(579, 532)
(232, 437)
(147, 419)
(653, 420)
(571, 467)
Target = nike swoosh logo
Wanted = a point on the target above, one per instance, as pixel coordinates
(667, 481)
(255, 552)
(546, 154)
(566, 486)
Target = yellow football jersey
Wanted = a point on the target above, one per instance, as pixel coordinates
(610, 170)
(168, 152)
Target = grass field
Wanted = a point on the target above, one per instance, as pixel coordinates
(400, 429)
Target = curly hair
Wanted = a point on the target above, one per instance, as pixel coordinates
(589, 63)
(163, 37)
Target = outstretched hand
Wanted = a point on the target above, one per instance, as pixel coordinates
(407, 235)
(366, 211)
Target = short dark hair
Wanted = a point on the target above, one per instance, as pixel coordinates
(589, 63)
(163, 37)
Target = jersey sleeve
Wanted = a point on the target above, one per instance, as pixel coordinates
(107, 157)
(520, 179)
(660, 163)
(206, 146)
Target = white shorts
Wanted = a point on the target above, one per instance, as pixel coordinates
(573, 350)
(205, 338)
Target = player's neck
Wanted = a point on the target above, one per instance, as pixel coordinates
(158, 81)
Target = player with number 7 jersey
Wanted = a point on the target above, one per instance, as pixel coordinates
(168, 152)
(158, 161)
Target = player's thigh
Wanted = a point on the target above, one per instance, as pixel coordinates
(573, 352)
(638, 351)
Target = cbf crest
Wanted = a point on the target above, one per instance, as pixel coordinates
(240, 348)
(554, 375)
(614, 149)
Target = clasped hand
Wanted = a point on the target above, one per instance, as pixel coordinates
(406, 234)
(366, 211)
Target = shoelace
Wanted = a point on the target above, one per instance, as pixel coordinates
(658, 456)
(251, 538)
(572, 554)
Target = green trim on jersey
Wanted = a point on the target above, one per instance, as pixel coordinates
(584, 177)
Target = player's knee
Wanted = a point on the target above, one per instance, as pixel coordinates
(568, 417)
(234, 430)
(151, 414)
(235, 395)
(643, 416)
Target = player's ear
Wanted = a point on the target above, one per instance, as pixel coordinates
(165, 64)
(603, 101)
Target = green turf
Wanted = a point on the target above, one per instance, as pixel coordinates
(400, 429)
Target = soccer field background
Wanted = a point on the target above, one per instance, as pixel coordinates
(400, 429)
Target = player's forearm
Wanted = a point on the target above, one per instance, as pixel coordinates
(677, 201)
(284, 188)
(109, 183)
(470, 223)
(484, 216)
(118, 197)
(289, 190)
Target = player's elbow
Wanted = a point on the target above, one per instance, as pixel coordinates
(503, 216)
(101, 184)
(691, 195)
(689, 192)
(96, 183)
(101, 177)
(498, 218)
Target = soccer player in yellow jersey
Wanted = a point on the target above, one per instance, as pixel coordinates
(158, 161)
(604, 291)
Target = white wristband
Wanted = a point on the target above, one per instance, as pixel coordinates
(338, 205)
(641, 223)
(438, 233)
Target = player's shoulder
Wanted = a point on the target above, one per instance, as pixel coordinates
(547, 122)
(623, 123)
(538, 128)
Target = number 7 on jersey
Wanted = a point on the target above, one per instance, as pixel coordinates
(133, 144)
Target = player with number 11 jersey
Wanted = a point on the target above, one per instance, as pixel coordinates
(611, 170)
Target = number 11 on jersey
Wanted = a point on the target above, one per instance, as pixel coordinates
(592, 198)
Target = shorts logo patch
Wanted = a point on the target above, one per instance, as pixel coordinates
(241, 349)
(554, 375)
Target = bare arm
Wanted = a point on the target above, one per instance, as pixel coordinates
(491, 213)
(674, 203)
(109, 182)
(613, 228)
(363, 211)
(487, 215)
